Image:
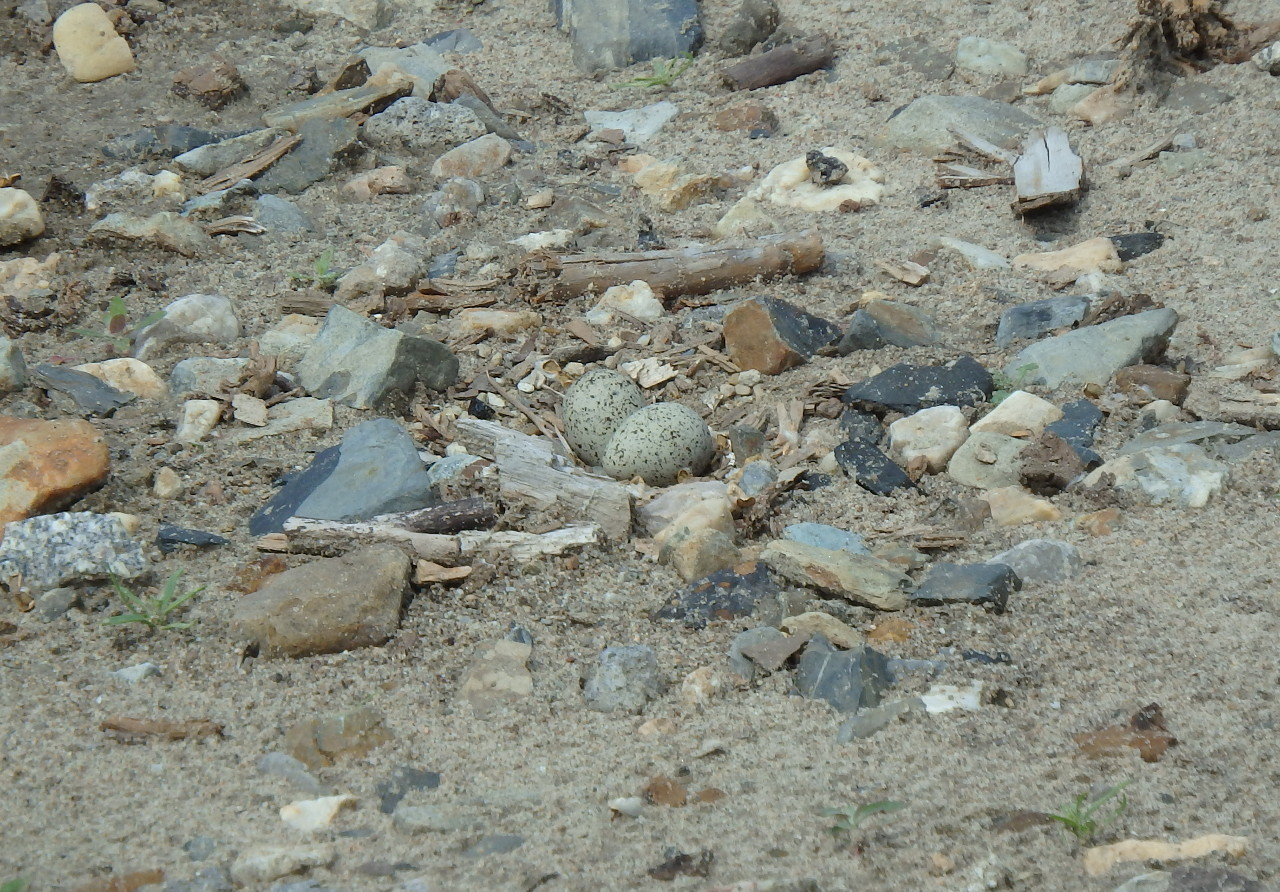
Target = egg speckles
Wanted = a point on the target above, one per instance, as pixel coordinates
(657, 442)
(594, 407)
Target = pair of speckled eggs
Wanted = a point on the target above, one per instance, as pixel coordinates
(608, 425)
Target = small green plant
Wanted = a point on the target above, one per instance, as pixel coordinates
(1004, 385)
(117, 330)
(665, 72)
(1084, 815)
(851, 817)
(17, 884)
(153, 612)
(322, 275)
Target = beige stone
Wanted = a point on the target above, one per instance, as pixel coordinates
(857, 577)
(20, 217)
(500, 322)
(380, 181)
(818, 623)
(166, 484)
(1013, 505)
(197, 421)
(1100, 859)
(130, 375)
(1094, 255)
(480, 156)
(88, 45)
(931, 435)
(310, 815)
(1019, 413)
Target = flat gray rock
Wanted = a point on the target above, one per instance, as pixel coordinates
(923, 124)
(1042, 560)
(624, 678)
(1092, 355)
(847, 679)
(611, 34)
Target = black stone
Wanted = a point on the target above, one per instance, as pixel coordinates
(811, 480)
(1079, 422)
(270, 517)
(1135, 244)
(872, 469)
(724, 594)
(908, 388)
(478, 408)
(1039, 317)
(92, 396)
(861, 426)
(863, 333)
(949, 583)
(825, 170)
(170, 537)
(803, 332)
(848, 680)
(403, 780)
(977, 656)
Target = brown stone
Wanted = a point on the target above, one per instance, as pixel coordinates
(751, 114)
(47, 465)
(1153, 381)
(1049, 465)
(771, 335)
(213, 84)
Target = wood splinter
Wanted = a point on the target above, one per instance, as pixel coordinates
(1047, 172)
(779, 65)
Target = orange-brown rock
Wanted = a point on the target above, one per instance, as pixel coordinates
(772, 335)
(47, 465)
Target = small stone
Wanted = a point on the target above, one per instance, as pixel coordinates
(883, 322)
(1154, 381)
(1042, 560)
(263, 864)
(862, 579)
(694, 554)
(701, 686)
(907, 388)
(1099, 523)
(1135, 244)
(476, 158)
(416, 819)
(611, 34)
(20, 217)
(55, 603)
(1092, 355)
(976, 256)
(985, 56)
(657, 443)
(1050, 465)
(848, 680)
(948, 583)
(1182, 474)
(46, 465)
(165, 141)
(498, 675)
(166, 483)
(135, 674)
(861, 426)
(324, 142)
(289, 339)
(422, 63)
(327, 605)
(1080, 419)
(213, 83)
(294, 771)
(168, 537)
(317, 742)
(128, 375)
(45, 552)
(311, 815)
(166, 230)
(211, 157)
(1094, 255)
(1018, 413)
(925, 125)
(420, 127)
(636, 300)
(942, 698)
(389, 180)
(1039, 317)
(725, 594)
(281, 215)
(820, 535)
(987, 461)
(197, 421)
(91, 395)
(1013, 505)
(193, 319)
(772, 335)
(870, 721)
(624, 678)
(930, 436)
(88, 45)
(871, 469)
(504, 323)
(824, 624)
(745, 654)
(670, 186)
(249, 410)
(404, 780)
(750, 114)
(13, 368)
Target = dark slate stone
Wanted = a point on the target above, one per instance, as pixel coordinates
(811, 480)
(458, 40)
(324, 142)
(861, 426)
(977, 656)
(167, 141)
(270, 517)
(170, 537)
(863, 333)
(949, 583)
(888, 322)
(872, 469)
(403, 780)
(1079, 422)
(1134, 244)
(847, 679)
(1031, 320)
(91, 395)
(611, 34)
(908, 388)
(724, 594)
(1215, 878)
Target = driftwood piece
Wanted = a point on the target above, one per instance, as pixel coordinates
(962, 176)
(530, 468)
(697, 270)
(1047, 172)
(471, 513)
(327, 537)
(779, 65)
(251, 166)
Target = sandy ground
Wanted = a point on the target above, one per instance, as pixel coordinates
(1176, 607)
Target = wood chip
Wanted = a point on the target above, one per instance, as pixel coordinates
(425, 572)
(1047, 172)
(132, 729)
(251, 166)
(905, 271)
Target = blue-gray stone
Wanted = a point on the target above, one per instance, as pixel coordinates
(847, 679)
(286, 767)
(403, 780)
(908, 388)
(611, 34)
(324, 142)
(871, 721)
(457, 40)
(169, 537)
(1031, 320)
(887, 322)
(1079, 421)
(1092, 355)
(1042, 560)
(861, 426)
(1131, 245)
(200, 848)
(92, 396)
(822, 535)
(871, 469)
(495, 844)
(744, 640)
(624, 678)
(948, 583)
(281, 215)
(204, 375)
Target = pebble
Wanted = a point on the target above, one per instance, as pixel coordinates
(312, 815)
(388, 180)
(91, 395)
(360, 364)
(166, 230)
(612, 34)
(701, 686)
(504, 323)
(638, 125)
(13, 367)
(415, 819)
(48, 465)
(263, 864)
(1017, 413)
(1092, 355)
(288, 339)
(887, 322)
(747, 641)
(1050, 465)
(976, 256)
(869, 722)
(988, 584)
(404, 779)
(908, 388)
(994, 57)
(1068, 96)
(861, 426)
(129, 376)
(197, 420)
(88, 46)
(318, 741)
(1042, 560)
(821, 535)
(1080, 419)
(930, 436)
(205, 374)
(394, 267)
(942, 698)
(772, 335)
(281, 215)
(454, 202)
(860, 578)
(44, 552)
(55, 603)
(636, 300)
(324, 142)
(725, 594)
(164, 141)
(136, 673)
(870, 468)
(498, 676)
(624, 678)
(1182, 474)
(20, 216)
(848, 680)
(987, 461)
(192, 319)
(1093, 255)
(818, 623)
(168, 537)
(420, 127)
(209, 158)
(285, 766)
(327, 605)
(1013, 505)
(924, 124)
(1039, 317)
(695, 553)
(657, 443)
(476, 158)
(753, 23)
(751, 115)
(422, 63)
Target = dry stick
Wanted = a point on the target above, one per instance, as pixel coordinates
(785, 63)
(251, 166)
(470, 513)
(524, 407)
(698, 270)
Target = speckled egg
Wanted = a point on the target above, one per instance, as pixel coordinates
(593, 408)
(657, 442)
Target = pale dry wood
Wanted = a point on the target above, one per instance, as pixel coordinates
(779, 65)
(1143, 154)
(906, 271)
(1047, 172)
(697, 270)
(251, 166)
(961, 176)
